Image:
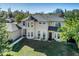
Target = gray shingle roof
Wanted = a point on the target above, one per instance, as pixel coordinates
(46, 17)
(9, 20)
(29, 18)
(11, 27)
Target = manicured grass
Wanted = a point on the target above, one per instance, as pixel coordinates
(43, 48)
(27, 51)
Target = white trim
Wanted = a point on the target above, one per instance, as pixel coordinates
(16, 42)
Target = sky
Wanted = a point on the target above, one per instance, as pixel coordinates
(38, 7)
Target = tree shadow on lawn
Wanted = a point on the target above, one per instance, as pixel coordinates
(52, 48)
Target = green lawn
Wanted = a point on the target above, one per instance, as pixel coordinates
(43, 48)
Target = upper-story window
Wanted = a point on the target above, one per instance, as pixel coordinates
(23, 22)
(39, 22)
(50, 23)
(43, 22)
(31, 24)
(28, 24)
(58, 24)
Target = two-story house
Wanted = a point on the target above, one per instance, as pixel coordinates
(39, 27)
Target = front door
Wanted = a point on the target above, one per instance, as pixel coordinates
(50, 36)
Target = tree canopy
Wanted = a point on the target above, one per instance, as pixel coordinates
(71, 26)
(4, 46)
(20, 16)
(59, 12)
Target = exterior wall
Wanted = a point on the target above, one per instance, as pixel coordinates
(30, 29)
(43, 29)
(14, 35)
(55, 34)
(34, 27)
(23, 27)
(53, 23)
(29, 26)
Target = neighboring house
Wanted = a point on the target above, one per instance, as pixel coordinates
(13, 30)
(38, 27)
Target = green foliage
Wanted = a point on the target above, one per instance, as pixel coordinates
(59, 11)
(71, 27)
(20, 16)
(4, 46)
(9, 53)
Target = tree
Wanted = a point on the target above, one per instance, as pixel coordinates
(59, 12)
(20, 16)
(71, 27)
(4, 46)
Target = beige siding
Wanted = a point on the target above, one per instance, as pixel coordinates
(43, 28)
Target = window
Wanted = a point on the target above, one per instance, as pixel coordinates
(43, 35)
(39, 22)
(58, 24)
(31, 24)
(58, 36)
(38, 34)
(50, 23)
(28, 34)
(31, 34)
(43, 22)
(24, 31)
(23, 22)
(28, 24)
(55, 35)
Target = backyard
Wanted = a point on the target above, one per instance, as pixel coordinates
(44, 48)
